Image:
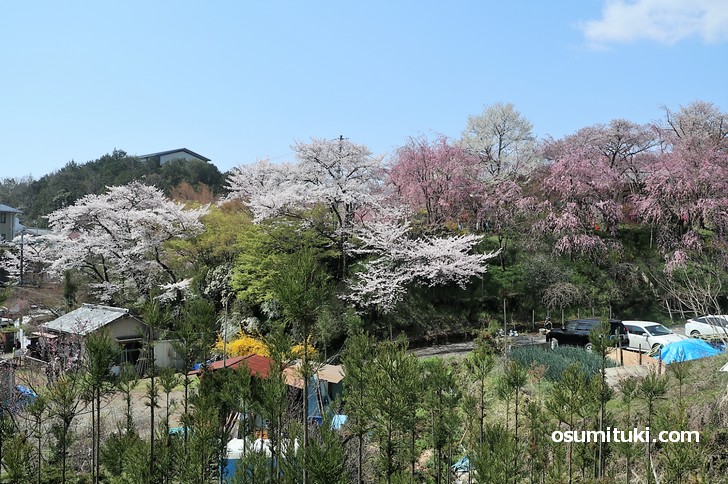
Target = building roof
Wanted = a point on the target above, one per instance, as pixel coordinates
(179, 150)
(259, 366)
(5, 208)
(329, 373)
(35, 230)
(86, 319)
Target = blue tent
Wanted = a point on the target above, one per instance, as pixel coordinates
(685, 350)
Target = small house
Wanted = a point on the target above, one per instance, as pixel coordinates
(9, 224)
(163, 157)
(74, 326)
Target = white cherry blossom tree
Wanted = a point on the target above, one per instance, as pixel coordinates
(9, 265)
(117, 240)
(398, 260)
(340, 176)
(503, 140)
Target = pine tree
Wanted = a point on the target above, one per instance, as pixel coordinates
(357, 360)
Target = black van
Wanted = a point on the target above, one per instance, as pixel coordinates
(577, 331)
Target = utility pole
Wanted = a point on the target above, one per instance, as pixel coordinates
(224, 336)
(22, 240)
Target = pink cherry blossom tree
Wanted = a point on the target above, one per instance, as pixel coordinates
(684, 201)
(579, 202)
(686, 190)
(436, 178)
(700, 121)
(623, 147)
(502, 210)
(118, 240)
(592, 173)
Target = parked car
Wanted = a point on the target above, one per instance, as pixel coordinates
(576, 333)
(649, 336)
(707, 325)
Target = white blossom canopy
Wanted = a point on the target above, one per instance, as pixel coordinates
(350, 183)
(398, 260)
(117, 239)
(341, 175)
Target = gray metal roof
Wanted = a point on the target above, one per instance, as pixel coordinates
(5, 208)
(178, 150)
(86, 319)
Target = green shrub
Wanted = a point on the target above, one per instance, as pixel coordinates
(556, 361)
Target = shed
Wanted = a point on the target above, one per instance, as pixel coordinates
(123, 326)
(325, 385)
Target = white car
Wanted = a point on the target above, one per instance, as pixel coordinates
(649, 336)
(707, 325)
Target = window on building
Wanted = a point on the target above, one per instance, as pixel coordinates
(3, 218)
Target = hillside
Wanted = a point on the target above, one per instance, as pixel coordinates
(37, 198)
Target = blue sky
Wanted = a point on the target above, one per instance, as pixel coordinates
(239, 81)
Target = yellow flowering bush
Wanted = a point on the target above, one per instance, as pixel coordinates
(245, 344)
(297, 350)
(242, 345)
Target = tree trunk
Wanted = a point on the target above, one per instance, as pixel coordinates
(94, 478)
(98, 433)
(360, 457)
(184, 423)
(305, 376)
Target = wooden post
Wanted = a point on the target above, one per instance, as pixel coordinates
(505, 318)
(621, 352)
(639, 350)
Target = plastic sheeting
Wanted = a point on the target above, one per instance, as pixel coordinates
(338, 421)
(686, 350)
(463, 465)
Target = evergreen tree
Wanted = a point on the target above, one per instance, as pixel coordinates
(271, 394)
(565, 403)
(156, 318)
(652, 389)
(301, 288)
(193, 336)
(101, 353)
(479, 364)
(629, 389)
(441, 402)
(326, 456)
(357, 360)
(394, 398)
(64, 399)
(493, 460)
(18, 460)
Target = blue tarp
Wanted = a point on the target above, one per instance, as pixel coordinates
(463, 465)
(686, 350)
(338, 421)
(25, 391)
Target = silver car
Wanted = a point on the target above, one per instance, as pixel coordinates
(649, 336)
(707, 325)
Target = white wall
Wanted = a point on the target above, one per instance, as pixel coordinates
(165, 356)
